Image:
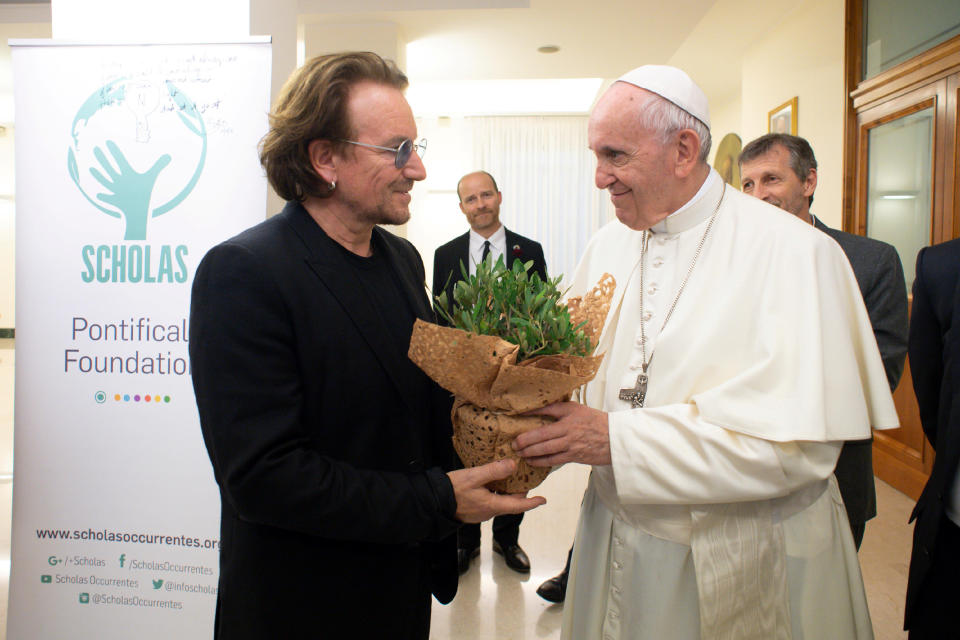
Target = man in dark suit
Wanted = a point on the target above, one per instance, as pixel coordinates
(782, 170)
(480, 202)
(935, 364)
(331, 449)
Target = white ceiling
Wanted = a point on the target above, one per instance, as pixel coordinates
(463, 40)
(596, 39)
(498, 39)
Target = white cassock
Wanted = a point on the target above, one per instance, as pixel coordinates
(720, 517)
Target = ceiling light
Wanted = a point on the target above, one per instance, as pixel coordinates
(548, 48)
(898, 196)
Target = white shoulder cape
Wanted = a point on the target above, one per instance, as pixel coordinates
(771, 338)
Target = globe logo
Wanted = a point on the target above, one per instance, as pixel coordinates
(137, 151)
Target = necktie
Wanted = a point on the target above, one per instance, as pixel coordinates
(486, 251)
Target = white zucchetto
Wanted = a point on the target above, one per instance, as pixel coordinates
(673, 85)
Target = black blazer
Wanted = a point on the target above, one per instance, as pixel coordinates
(446, 260)
(935, 367)
(337, 516)
(876, 266)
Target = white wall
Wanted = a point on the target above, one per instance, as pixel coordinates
(725, 117)
(7, 217)
(383, 38)
(435, 215)
(277, 19)
(803, 56)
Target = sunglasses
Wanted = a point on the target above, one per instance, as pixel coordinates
(403, 151)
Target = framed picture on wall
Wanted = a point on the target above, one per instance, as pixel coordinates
(783, 119)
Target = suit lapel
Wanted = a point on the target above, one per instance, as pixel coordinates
(830, 231)
(413, 290)
(463, 254)
(461, 251)
(328, 263)
(519, 248)
(511, 255)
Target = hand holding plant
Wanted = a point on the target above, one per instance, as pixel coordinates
(512, 347)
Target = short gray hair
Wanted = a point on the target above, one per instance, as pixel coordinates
(802, 160)
(662, 116)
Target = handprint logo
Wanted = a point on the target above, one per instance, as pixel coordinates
(127, 190)
(125, 126)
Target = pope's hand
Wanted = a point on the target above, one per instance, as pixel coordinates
(476, 503)
(580, 434)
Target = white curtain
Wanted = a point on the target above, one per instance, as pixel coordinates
(546, 174)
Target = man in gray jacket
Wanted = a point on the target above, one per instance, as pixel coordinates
(782, 170)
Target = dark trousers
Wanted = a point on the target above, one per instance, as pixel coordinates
(857, 530)
(935, 617)
(506, 531)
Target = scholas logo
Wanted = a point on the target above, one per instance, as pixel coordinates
(137, 150)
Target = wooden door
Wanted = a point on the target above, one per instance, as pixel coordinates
(906, 149)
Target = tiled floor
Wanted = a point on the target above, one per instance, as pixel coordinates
(884, 559)
(494, 603)
(497, 603)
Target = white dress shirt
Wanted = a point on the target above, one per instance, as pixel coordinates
(498, 246)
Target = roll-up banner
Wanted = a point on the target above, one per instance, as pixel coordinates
(131, 162)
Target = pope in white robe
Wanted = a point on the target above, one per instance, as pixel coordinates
(711, 511)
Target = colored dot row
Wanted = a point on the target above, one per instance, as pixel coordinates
(126, 397)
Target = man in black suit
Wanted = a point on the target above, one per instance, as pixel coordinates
(480, 202)
(331, 449)
(782, 170)
(935, 364)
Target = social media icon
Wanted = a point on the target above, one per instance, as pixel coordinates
(100, 397)
(84, 598)
(123, 558)
(53, 560)
(157, 583)
(45, 579)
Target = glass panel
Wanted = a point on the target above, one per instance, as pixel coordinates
(899, 185)
(897, 30)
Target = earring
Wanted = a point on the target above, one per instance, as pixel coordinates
(333, 185)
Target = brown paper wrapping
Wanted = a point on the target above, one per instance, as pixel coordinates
(491, 389)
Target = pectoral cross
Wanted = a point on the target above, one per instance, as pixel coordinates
(637, 394)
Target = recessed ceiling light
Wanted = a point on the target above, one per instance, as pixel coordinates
(548, 48)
